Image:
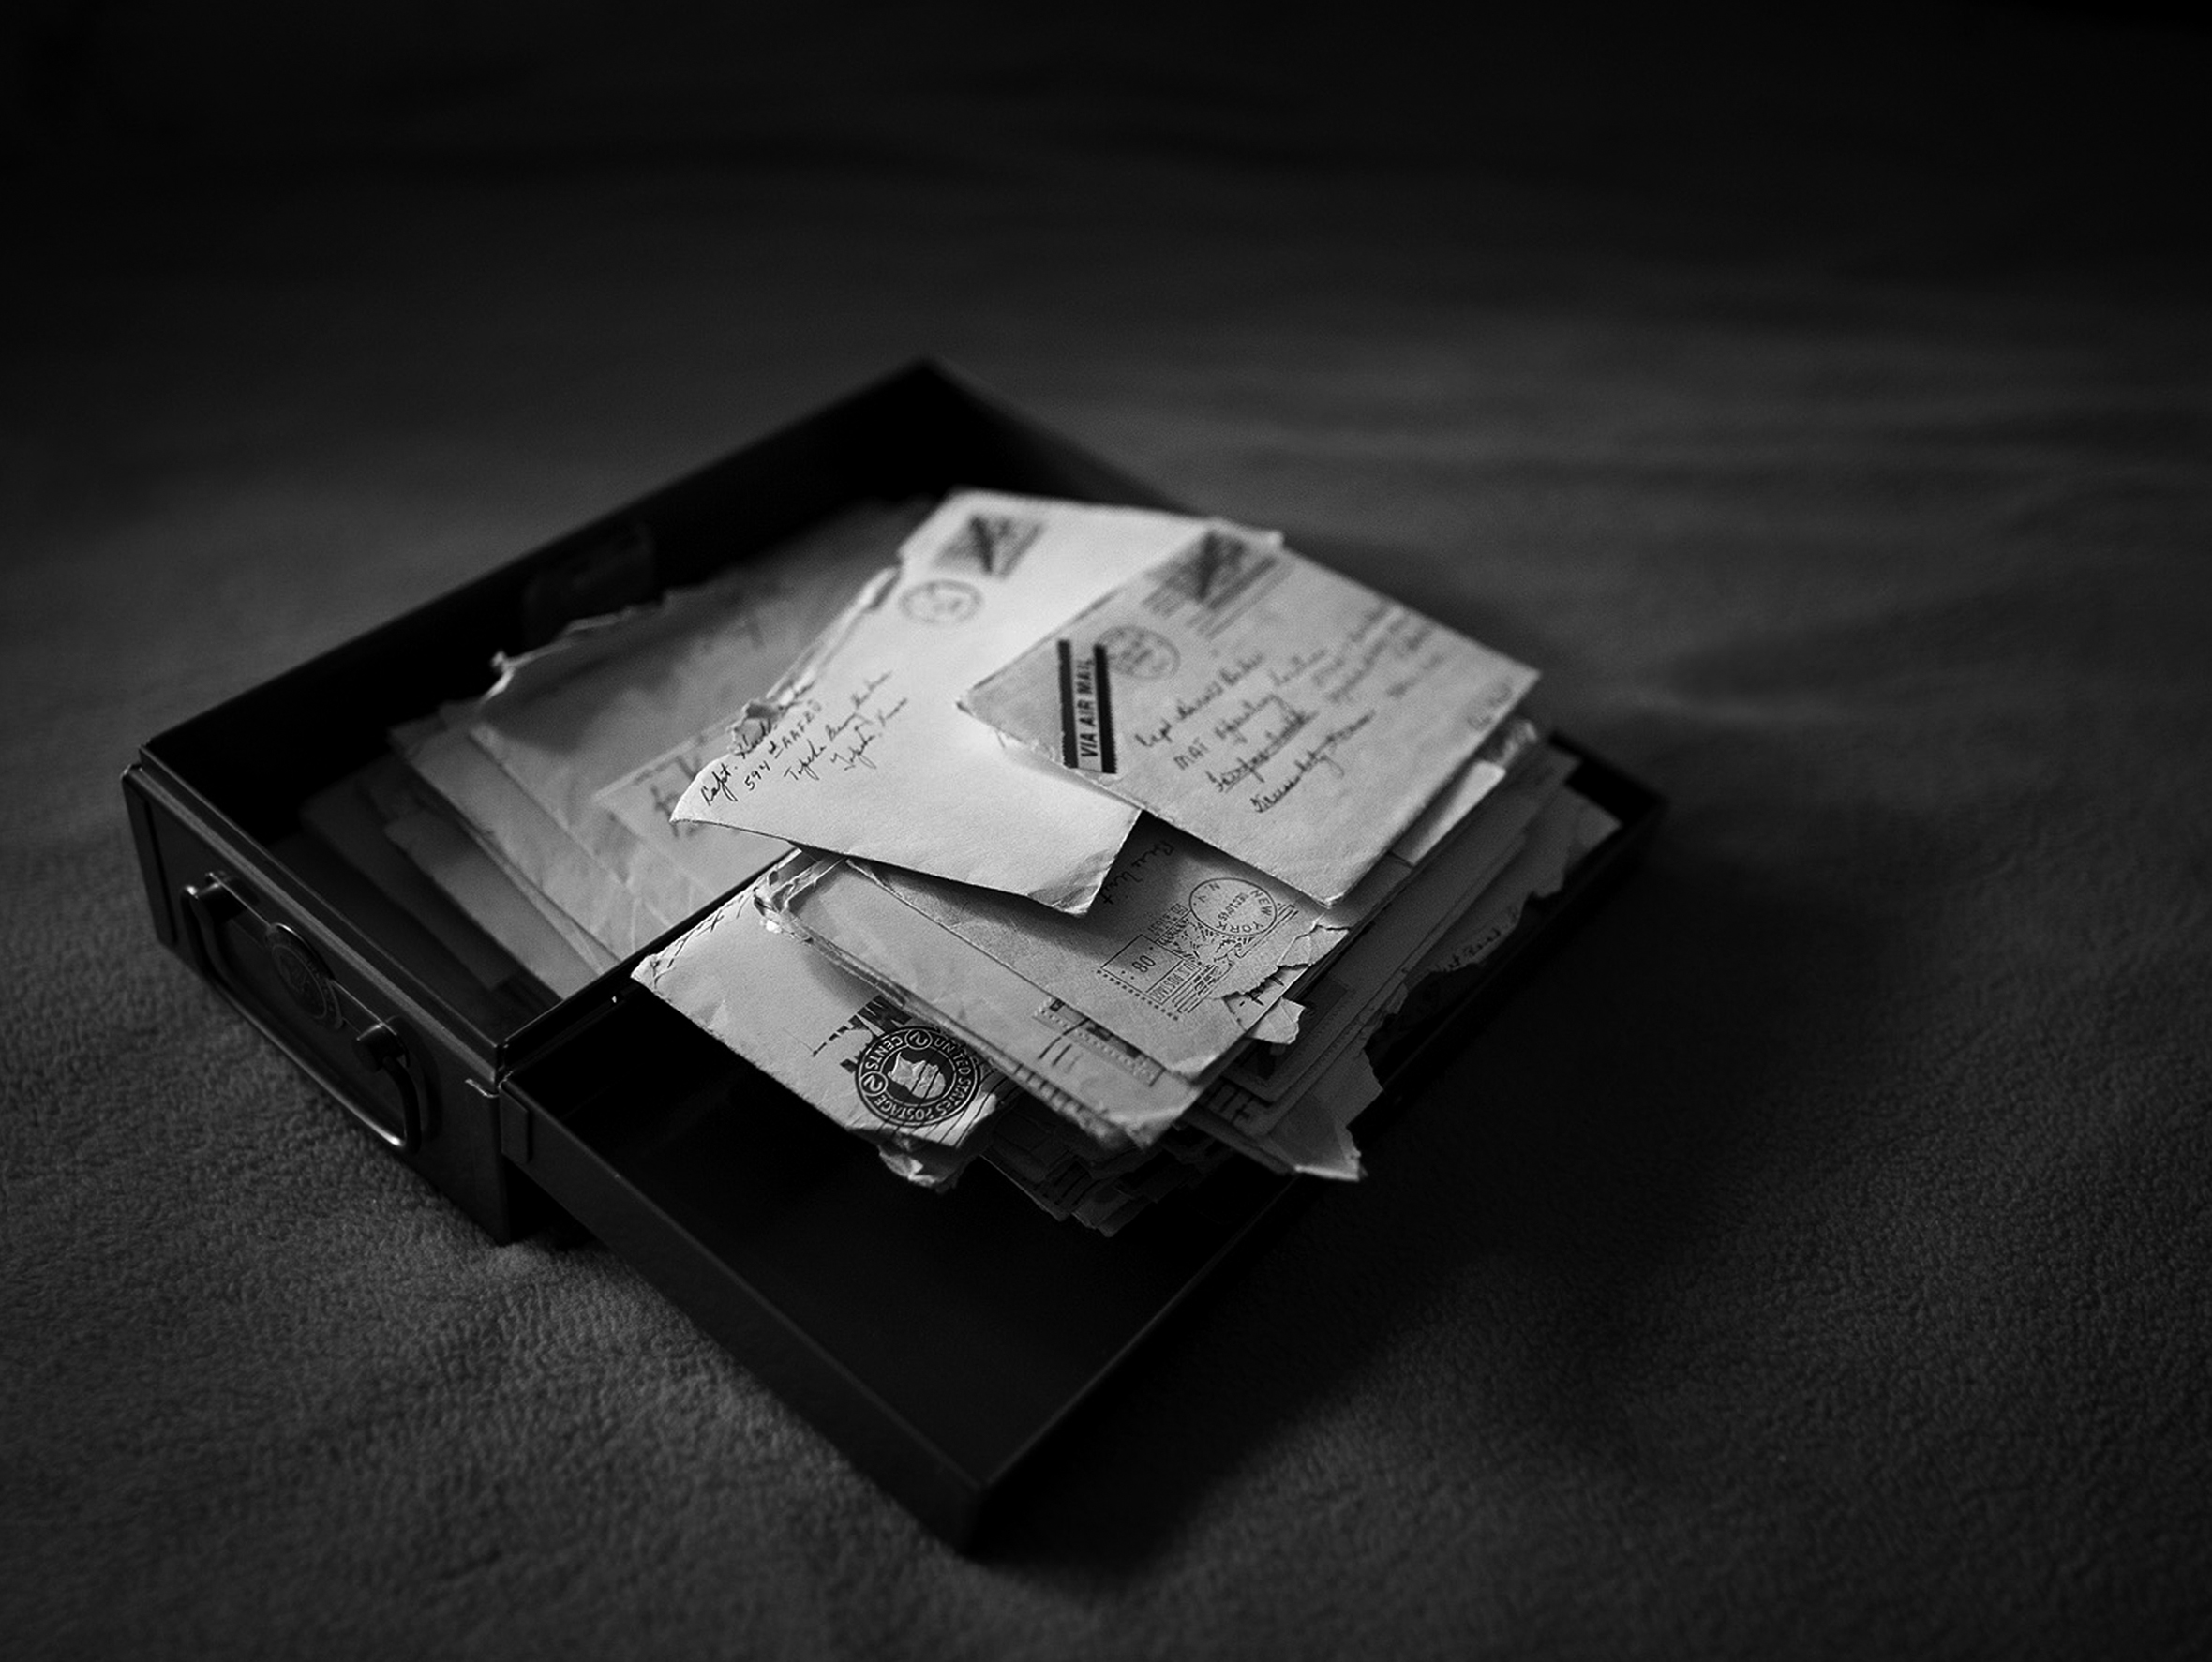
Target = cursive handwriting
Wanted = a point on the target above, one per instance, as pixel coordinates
(1131, 864)
(1213, 689)
(715, 784)
(871, 725)
(806, 739)
(1294, 720)
(1316, 756)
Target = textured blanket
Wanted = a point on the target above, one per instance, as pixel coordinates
(1817, 1256)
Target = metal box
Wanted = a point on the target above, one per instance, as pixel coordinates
(768, 1225)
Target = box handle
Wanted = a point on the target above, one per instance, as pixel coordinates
(213, 900)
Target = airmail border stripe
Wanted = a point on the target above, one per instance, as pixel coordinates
(1086, 711)
(1066, 705)
(1099, 681)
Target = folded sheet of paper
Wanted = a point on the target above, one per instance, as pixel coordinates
(1294, 1108)
(1088, 1075)
(861, 749)
(818, 1030)
(1275, 710)
(1187, 951)
(837, 1041)
(1343, 994)
(548, 769)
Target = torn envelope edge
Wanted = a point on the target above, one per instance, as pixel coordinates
(586, 867)
(1311, 1132)
(1454, 879)
(1562, 837)
(942, 789)
(1314, 1135)
(1098, 1081)
(667, 658)
(585, 643)
(1261, 1121)
(1076, 1065)
(1512, 750)
(1360, 985)
(1066, 957)
(783, 1006)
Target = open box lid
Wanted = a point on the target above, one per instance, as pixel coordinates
(937, 1339)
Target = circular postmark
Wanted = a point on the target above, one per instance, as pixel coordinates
(1233, 907)
(915, 1076)
(942, 600)
(1142, 655)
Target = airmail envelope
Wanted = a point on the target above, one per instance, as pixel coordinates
(1266, 705)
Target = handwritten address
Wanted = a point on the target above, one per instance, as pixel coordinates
(1264, 727)
(810, 737)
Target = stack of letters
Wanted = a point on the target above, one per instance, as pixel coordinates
(1094, 842)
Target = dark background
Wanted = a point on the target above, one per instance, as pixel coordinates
(1815, 1260)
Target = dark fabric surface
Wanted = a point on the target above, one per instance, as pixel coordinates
(1815, 1260)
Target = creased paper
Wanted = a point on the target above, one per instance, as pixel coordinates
(856, 1054)
(1116, 1093)
(1352, 989)
(1186, 952)
(525, 765)
(1569, 828)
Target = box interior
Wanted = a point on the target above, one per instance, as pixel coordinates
(969, 1314)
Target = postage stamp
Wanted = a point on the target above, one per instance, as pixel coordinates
(1186, 951)
(989, 545)
(915, 1076)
